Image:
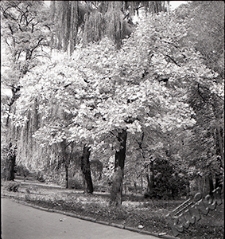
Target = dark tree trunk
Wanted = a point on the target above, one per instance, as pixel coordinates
(211, 187)
(218, 182)
(219, 142)
(149, 183)
(117, 184)
(220, 158)
(65, 160)
(11, 163)
(86, 169)
(67, 177)
(116, 188)
(221, 145)
(152, 178)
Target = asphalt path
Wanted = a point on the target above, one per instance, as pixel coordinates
(23, 222)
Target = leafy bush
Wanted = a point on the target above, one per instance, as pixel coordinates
(75, 184)
(167, 183)
(100, 188)
(12, 186)
(40, 177)
(21, 170)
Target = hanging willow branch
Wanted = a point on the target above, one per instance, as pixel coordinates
(65, 17)
(95, 19)
(94, 27)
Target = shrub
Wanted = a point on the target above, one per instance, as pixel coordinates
(75, 184)
(12, 187)
(40, 177)
(167, 183)
(21, 170)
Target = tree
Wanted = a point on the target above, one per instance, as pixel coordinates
(207, 156)
(91, 21)
(10, 163)
(120, 157)
(65, 16)
(25, 30)
(206, 29)
(86, 169)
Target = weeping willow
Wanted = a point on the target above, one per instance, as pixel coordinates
(114, 22)
(65, 17)
(94, 27)
(155, 6)
(95, 19)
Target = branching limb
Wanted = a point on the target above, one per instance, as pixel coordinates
(173, 60)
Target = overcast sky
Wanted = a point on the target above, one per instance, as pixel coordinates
(175, 4)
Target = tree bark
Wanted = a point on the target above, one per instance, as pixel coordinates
(67, 177)
(220, 144)
(220, 158)
(211, 187)
(65, 160)
(150, 179)
(117, 184)
(86, 170)
(116, 188)
(11, 163)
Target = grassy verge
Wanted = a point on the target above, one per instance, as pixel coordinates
(135, 211)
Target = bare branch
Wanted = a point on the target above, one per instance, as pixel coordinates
(173, 60)
(37, 45)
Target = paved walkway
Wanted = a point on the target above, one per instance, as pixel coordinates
(37, 183)
(23, 222)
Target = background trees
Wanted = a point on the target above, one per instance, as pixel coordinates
(206, 30)
(25, 29)
(24, 37)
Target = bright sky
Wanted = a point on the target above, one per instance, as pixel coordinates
(47, 3)
(175, 4)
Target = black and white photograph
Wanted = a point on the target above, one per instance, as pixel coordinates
(112, 119)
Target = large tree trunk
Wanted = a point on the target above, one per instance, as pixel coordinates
(221, 144)
(218, 135)
(67, 175)
(10, 164)
(65, 160)
(86, 170)
(211, 187)
(117, 184)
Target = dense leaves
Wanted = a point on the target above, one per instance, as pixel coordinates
(25, 30)
(206, 30)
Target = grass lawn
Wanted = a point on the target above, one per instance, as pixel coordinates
(134, 211)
